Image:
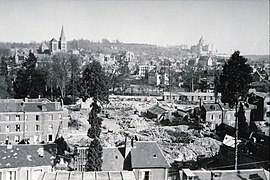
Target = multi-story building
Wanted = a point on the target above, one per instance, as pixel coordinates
(203, 97)
(32, 120)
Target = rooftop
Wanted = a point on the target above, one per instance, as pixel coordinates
(189, 94)
(22, 155)
(212, 107)
(99, 175)
(29, 105)
(148, 155)
(247, 174)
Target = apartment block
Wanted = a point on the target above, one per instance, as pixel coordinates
(34, 120)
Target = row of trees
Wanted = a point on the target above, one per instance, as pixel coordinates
(59, 76)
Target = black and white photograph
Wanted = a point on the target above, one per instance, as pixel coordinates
(134, 90)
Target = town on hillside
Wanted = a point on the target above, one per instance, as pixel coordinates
(76, 109)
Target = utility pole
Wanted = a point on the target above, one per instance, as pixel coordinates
(23, 110)
(236, 136)
(170, 84)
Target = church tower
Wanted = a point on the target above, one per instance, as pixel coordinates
(62, 44)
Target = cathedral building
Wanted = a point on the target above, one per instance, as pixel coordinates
(59, 46)
(202, 48)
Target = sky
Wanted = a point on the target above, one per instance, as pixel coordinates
(228, 25)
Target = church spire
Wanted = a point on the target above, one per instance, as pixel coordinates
(62, 35)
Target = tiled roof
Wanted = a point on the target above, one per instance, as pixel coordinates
(190, 94)
(250, 174)
(113, 159)
(53, 40)
(156, 110)
(23, 155)
(99, 175)
(204, 58)
(212, 107)
(147, 154)
(32, 105)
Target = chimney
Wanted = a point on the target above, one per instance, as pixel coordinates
(26, 99)
(216, 175)
(40, 152)
(44, 106)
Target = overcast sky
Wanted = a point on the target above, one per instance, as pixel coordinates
(228, 25)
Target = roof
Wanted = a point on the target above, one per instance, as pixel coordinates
(248, 174)
(230, 141)
(53, 40)
(204, 58)
(62, 35)
(212, 107)
(24, 155)
(32, 105)
(44, 46)
(113, 159)
(156, 110)
(99, 175)
(147, 154)
(190, 94)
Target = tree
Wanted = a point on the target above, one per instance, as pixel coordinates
(235, 79)
(74, 80)
(94, 83)
(60, 72)
(234, 85)
(3, 67)
(29, 81)
(94, 156)
(94, 161)
(3, 88)
(22, 84)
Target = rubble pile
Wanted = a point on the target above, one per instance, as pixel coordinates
(180, 143)
(122, 119)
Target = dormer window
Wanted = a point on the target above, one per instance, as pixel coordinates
(154, 155)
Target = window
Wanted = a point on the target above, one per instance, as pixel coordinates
(146, 175)
(211, 98)
(60, 116)
(25, 117)
(37, 128)
(17, 138)
(192, 98)
(25, 128)
(50, 117)
(17, 128)
(204, 97)
(50, 127)
(219, 116)
(50, 137)
(212, 117)
(18, 117)
(37, 117)
(7, 117)
(7, 128)
(11, 175)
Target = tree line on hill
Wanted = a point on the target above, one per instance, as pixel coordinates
(61, 76)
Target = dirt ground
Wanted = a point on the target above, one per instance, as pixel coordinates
(123, 118)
